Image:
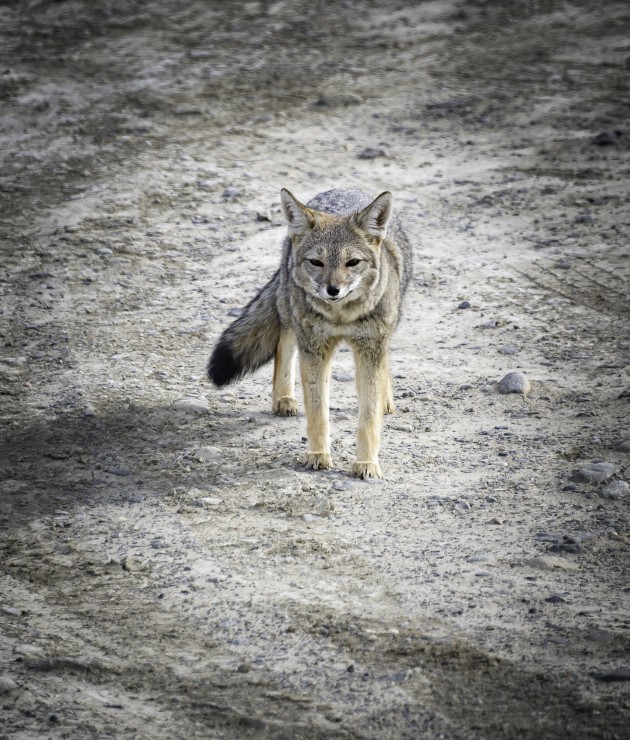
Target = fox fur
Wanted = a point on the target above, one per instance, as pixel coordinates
(345, 266)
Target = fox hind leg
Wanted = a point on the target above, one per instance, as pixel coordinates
(284, 402)
(389, 395)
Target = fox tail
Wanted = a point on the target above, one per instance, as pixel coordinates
(250, 341)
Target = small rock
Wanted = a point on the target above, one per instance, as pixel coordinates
(7, 684)
(594, 473)
(192, 405)
(496, 520)
(122, 472)
(133, 564)
(515, 383)
(604, 138)
(616, 489)
(343, 377)
(311, 517)
(187, 110)
(209, 501)
(208, 184)
(619, 674)
(509, 349)
(463, 304)
(371, 153)
(199, 53)
(245, 668)
(206, 454)
(463, 507)
(333, 100)
(549, 563)
(586, 217)
(624, 446)
(555, 599)
(232, 193)
(104, 252)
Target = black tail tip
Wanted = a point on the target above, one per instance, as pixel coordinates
(223, 367)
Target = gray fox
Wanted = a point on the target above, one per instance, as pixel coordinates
(345, 266)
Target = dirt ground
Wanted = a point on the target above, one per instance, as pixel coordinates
(168, 570)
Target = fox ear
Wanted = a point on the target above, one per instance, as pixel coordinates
(299, 218)
(373, 220)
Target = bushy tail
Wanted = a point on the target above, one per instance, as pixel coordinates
(250, 341)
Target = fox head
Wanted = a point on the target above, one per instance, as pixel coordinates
(336, 258)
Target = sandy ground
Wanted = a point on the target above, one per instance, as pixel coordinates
(168, 570)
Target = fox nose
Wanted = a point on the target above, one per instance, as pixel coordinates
(332, 291)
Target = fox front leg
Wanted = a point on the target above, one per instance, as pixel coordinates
(315, 372)
(374, 394)
(284, 402)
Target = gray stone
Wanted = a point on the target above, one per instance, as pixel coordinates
(515, 382)
(206, 454)
(594, 472)
(7, 684)
(616, 489)
(191, 405)
(231, 193)
(371, 153)
(509, 349)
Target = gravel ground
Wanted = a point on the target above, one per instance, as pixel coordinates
(168, 570)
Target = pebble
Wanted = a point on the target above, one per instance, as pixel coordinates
(464, 304)
(7, 684)
(338, 99)
(209, 501)
(371, 153)
(619, 674)
(624, 446)
(509, 349)
(549, 563)
(586, 217)
(594, 472)
(463, 507)
(122, 472)
(604, 138)
(563, 264)
(133, 564)
(187, 110)
(515, 383)
(231, 193)
(616, 489)
(343, 377)
(104, 251)
(206, 454)
(193, 405)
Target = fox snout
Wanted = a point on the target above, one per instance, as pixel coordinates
(333, 291)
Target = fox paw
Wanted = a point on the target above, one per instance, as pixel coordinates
(317, 460)
(366, 470)
(285, 406)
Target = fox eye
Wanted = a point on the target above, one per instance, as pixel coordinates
(352, 263)
(316, 263)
